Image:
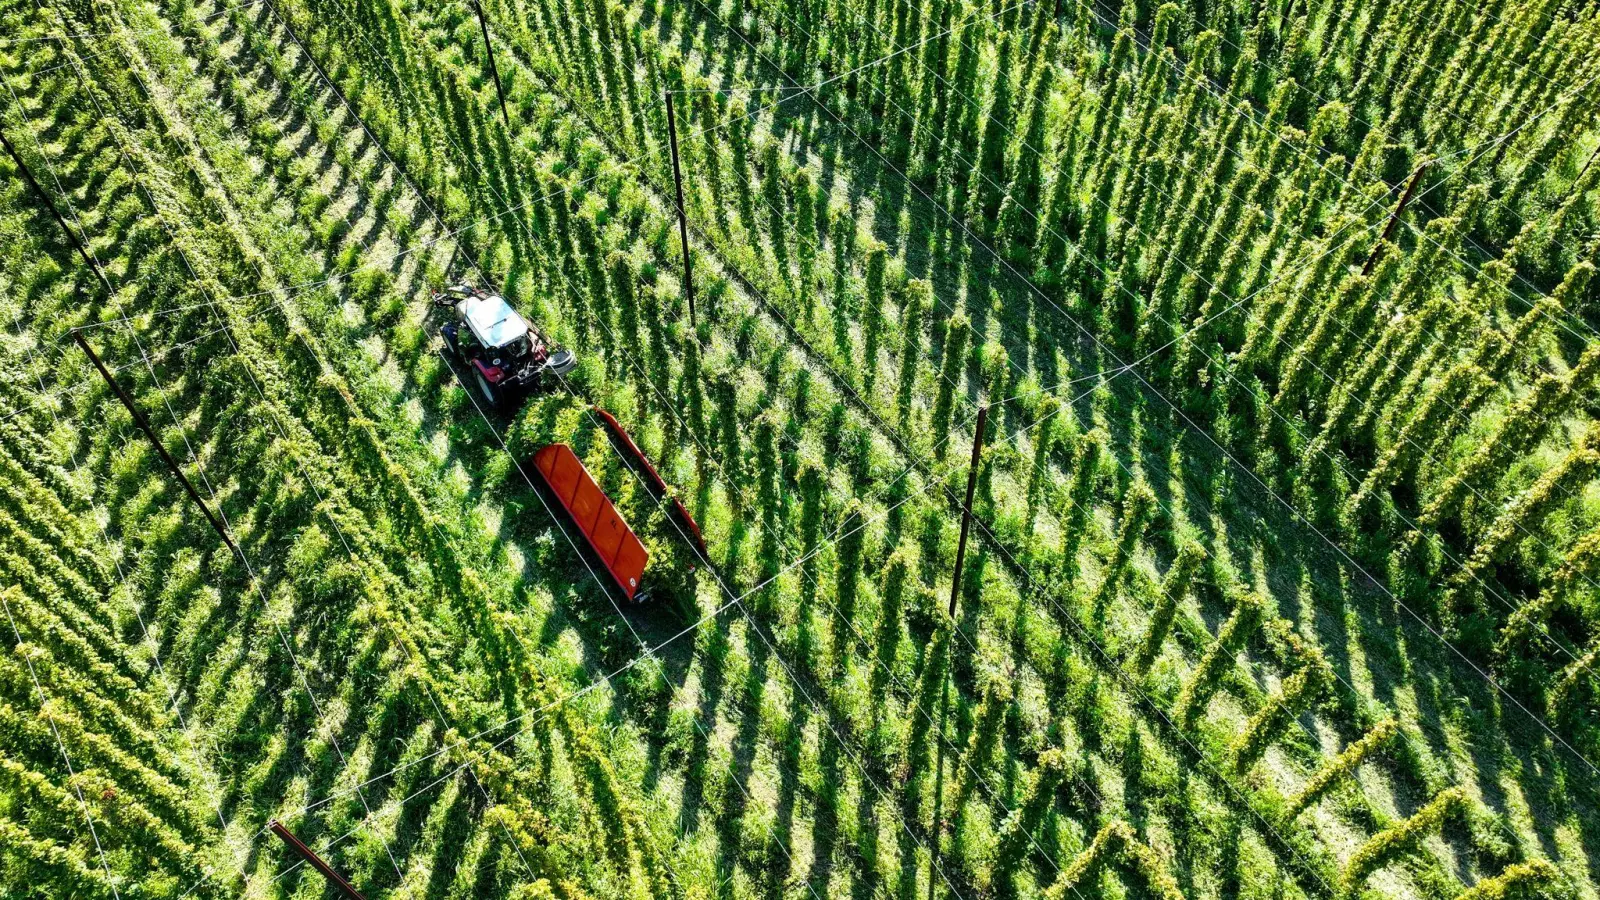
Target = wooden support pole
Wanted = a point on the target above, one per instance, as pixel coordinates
(315, 861)
(149, 432)
(127, 401)
(494, 70)
(683, 220)
(77, 242)
(955, 592)
(966, 510)
(1394, 219)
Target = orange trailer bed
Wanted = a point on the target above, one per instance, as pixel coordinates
(592, 511)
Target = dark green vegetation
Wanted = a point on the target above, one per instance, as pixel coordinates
(1283, 580)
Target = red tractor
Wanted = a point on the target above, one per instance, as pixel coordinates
(506, 354)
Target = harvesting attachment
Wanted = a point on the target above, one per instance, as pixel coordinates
(507, 356)
(597, 518)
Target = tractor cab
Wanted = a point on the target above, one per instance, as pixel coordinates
(504, 352)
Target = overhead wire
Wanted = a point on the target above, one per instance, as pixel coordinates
(1086, 377)
(1477, 151)
(1066, 616)
(799, 686)
(1250, 115)
(707, 453)
(191, 449)
(269, 292)
(448, 234)
(1119, 370)
(170, 691)
(467, 157)
(1501, 139)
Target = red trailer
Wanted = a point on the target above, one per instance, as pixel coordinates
(592, 511)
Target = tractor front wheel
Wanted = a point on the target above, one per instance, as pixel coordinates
(491, 394)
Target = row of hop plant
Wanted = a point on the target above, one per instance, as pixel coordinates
(604, 305)
(691, 404)
(1387, 846)
(1535, 877)
(942, 409)
(1294, 363)
(1328, 340)
(1116, 842)
(94, 692)
(1270, 723)
(195, 248)
(1550, 396)
(471, 588)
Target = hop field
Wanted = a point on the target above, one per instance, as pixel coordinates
(1274, 324)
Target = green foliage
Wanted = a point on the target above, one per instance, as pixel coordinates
(1532, 879)
(806, 222)
(988, 178)
(247, 215)
(1342, 766)
(872, 311)
(1218, 659)
(919, 298)
(1174, 586)
(1117, 840)
(925, 694)
(1298, 692)
(776, 199)
(1138, 505)
(952, 375)
(1387, 846)
(981, 741)
(1016, 833)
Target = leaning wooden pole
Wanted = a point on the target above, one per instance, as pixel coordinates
(955, 593)
(1394, 219)
(50, 204)
(494, 70)
(966, 510)
(155, 441)
(315, 861)
(683, 219)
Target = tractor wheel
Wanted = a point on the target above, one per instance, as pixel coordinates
(490, 394)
